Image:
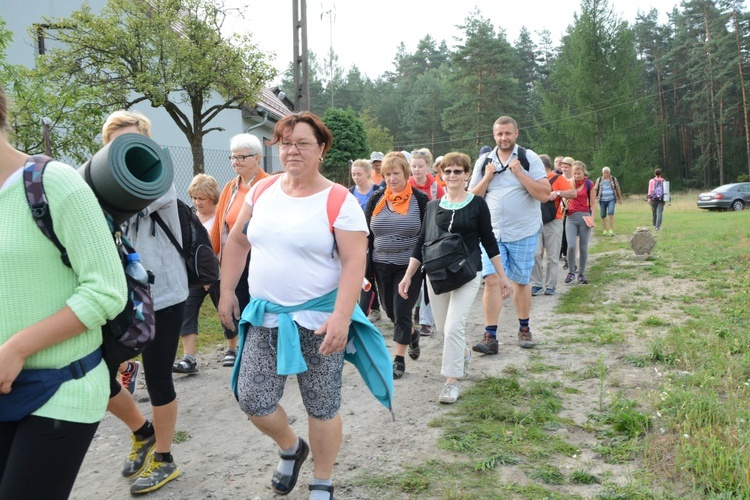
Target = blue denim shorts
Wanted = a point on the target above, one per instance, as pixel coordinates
(518, 259)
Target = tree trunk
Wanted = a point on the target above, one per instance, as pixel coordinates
(740, 58)
(196, 146)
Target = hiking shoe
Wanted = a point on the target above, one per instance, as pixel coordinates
(525, 340)
(229, 358)
(536, 290)
(449, 394)
(549, 291)
(156, 475)
(139, 452)
(611, 232)
(569, 278)
(414, 350)
(425, 330)
(374, 315)
(582, 280)
(185, 365)
(488, 345)
(129, 378)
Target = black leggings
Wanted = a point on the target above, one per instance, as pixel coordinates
(396, 307)
(40, 457)
(158, 357)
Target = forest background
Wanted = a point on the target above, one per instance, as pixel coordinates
(633, 97)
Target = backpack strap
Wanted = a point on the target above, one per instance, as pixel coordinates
(336, 197)
(262, 185)
(33, 184)
(335, 201)
(163, 225)
(521, 154)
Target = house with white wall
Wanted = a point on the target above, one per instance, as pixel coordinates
(258, 119)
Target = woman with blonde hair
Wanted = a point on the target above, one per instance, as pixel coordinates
(394, 216)
(150, 459)
(204, 191)
(581, 211)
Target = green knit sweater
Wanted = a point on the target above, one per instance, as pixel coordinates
(36, 284)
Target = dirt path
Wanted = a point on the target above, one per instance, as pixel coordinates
(224, 457)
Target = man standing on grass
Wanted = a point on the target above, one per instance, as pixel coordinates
(513, 181)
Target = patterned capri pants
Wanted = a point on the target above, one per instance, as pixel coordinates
(260, 388)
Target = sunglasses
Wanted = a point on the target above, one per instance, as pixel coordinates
(451, 171)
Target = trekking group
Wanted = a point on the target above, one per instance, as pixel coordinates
(294, 251)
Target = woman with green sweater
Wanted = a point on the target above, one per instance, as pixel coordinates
(50, 317)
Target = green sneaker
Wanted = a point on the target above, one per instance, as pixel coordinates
(139, 452)
(156, 475)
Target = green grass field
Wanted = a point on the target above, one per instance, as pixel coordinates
(689, 438)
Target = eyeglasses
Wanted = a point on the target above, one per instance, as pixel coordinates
(450, 171)
(301, 146)
(240, 158)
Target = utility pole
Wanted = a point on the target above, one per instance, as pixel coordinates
(300, 59)
(331, 13)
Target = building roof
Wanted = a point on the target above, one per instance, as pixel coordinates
(269, 101)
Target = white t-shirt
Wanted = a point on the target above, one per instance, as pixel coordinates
(292, 244)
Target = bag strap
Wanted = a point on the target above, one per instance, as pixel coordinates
(163, 225)
(37, 199)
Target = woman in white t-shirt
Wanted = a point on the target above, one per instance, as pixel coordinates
(295, 261)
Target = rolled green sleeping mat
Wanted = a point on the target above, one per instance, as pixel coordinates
(128, 174)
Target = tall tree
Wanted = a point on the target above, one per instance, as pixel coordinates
(167, 52)
(594, 96)
(483, 87)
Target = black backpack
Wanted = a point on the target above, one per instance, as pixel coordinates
(521, 157)
(197, 250)
(125, 336)
(549, 209)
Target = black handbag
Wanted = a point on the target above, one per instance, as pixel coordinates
(447, 260)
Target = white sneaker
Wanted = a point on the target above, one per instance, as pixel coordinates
(449, 393)
(467, 362)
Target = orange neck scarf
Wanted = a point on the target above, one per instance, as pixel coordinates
(399, 202)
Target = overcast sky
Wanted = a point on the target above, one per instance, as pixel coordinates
(368, 33)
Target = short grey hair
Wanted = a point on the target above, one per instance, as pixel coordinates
(246, 141)
(605, 170)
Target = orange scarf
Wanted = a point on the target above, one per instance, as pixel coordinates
(399, 202)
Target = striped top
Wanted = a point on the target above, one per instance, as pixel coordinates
(395, 235)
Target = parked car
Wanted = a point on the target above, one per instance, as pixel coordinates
(727, 197)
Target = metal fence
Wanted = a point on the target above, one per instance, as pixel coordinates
(216, 164)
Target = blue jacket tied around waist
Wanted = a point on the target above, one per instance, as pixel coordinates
(365, 348)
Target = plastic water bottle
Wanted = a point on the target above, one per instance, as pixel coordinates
(135, 269)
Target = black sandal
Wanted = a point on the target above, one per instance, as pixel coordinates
(283, 484)
(414, 350)
(399, 367)
(322, 487)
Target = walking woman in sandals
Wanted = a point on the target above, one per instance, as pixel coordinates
(303, 292)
